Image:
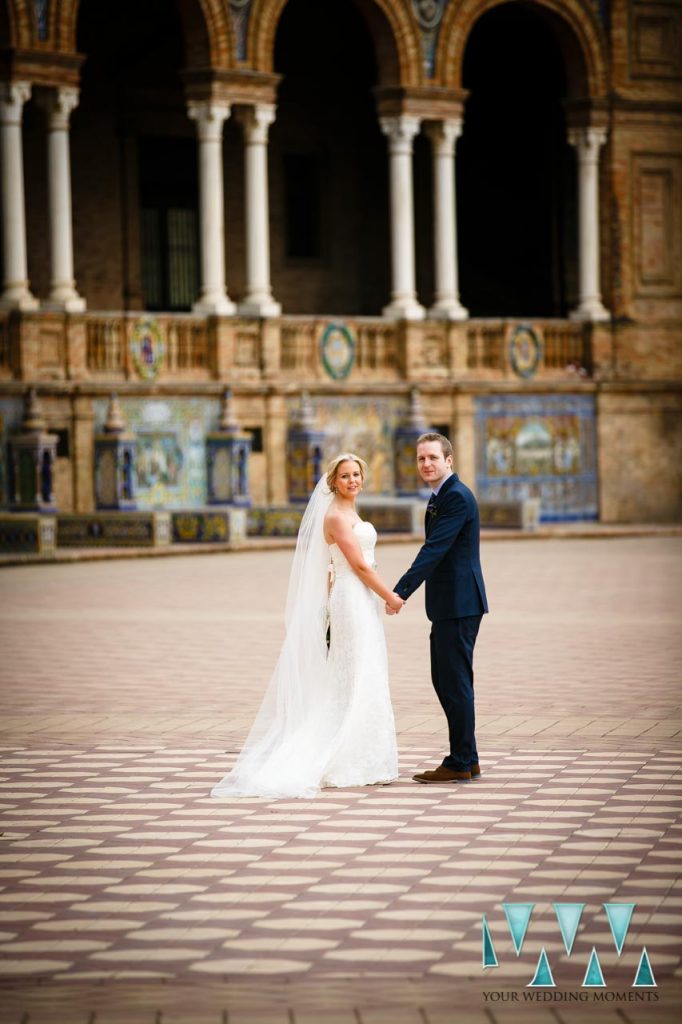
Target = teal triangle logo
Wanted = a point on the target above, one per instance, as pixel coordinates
(593, 975)
(489, 956)
(619, 915)
(644, 976)
(518, 916)
(568, 915)
(543, 973)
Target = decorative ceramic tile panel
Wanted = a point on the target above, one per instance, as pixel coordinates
(538, 446)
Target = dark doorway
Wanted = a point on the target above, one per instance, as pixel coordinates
(516, 180)
(169, 231)
(135, 158)
(329, 210)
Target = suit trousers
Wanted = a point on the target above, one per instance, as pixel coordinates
(452, 674)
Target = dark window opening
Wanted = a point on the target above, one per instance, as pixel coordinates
(302, 190)
(516, 179)
(169, 230)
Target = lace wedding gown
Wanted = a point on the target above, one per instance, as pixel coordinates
(327, 718)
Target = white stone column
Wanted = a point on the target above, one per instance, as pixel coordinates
(210, 117)
(63, 295)
(588, 142)
(258, 300)
(15, 290)
(401, 131)
(443, 136)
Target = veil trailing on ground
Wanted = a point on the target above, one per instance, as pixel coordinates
(287, 747)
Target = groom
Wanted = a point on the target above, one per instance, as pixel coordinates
(449, 563)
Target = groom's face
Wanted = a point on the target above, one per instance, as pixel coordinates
(431, 462)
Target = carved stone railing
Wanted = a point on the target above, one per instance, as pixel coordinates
(485, 347)
(105, 344)
(144, 347)
(567, 345)
(526, 349)
(127, 345)
(368, 348)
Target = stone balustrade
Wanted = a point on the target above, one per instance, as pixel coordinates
(114, 346)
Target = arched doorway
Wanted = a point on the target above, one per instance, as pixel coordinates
(134, 155)
(329, 210)
(516, 171)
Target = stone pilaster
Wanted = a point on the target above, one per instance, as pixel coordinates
(275, 445)
(463, 438)
(83, 438)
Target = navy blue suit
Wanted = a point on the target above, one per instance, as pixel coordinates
(449, 563)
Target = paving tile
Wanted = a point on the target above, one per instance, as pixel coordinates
(117, 869)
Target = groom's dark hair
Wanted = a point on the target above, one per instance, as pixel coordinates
(432, 436)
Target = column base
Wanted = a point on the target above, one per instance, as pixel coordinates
(590, 310)
(214, 306)
(18, 298)
(65, 302)
(448, 309)
(259, 306)
(404, 309)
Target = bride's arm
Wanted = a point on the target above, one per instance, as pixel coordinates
(339, 531)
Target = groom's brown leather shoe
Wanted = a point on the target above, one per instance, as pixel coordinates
(475, 770)
(442, 774)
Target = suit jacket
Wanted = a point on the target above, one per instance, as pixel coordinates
(449, 561)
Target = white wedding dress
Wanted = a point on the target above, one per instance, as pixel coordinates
(326, 719)
(364, 749)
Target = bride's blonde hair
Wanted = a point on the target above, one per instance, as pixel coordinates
(333, 467)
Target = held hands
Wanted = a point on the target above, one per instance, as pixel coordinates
(394, 604)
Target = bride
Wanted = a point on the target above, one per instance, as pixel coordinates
(326, 718)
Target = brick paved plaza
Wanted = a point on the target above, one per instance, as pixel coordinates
(127, 894)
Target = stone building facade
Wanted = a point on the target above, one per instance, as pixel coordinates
(479, 199)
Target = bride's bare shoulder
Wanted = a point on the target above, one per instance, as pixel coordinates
(332, 518)
(334, 523)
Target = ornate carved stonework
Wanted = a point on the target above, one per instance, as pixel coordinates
(42, 13)
(239, 12)
(429, 16)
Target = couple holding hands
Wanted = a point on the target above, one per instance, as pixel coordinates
(326, 719)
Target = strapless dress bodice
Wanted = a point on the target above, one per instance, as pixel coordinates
(367, 538)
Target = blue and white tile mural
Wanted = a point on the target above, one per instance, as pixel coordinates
(539, 446)
(171, 447)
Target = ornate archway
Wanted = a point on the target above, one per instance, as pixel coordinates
(404, 37)
(575, 24)
(17, 25)
(219, 51)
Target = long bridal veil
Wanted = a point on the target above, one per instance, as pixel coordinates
(289, 742)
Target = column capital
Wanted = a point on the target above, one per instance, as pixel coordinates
(588, 141)
(444, 134)
(59, 105)
(256, 121)
(400, 130)
(210, 117)
(13, 95)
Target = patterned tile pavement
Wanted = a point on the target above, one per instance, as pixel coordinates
(126, 893)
